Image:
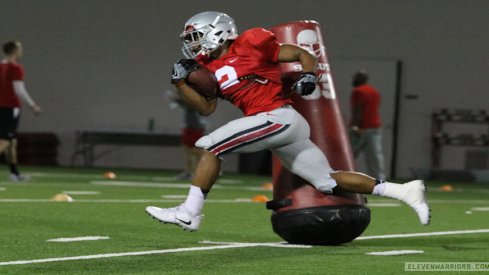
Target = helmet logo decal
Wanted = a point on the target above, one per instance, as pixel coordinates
(309, 40)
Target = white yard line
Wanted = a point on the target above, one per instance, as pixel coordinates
(395, 252)
(78, 239)
(170, 185)
(229, 181)
(158, 179)
(409, 235)
(124, 254)
(81, 192)
(454, 201)
(25, 200)
(479, 208)
(238, 200)
(286, 245)
(226, 245)
(65, 175)
(140, 184)
(174, 196)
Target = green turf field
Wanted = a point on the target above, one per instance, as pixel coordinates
(235, 237)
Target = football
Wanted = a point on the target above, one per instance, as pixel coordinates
(203, 81)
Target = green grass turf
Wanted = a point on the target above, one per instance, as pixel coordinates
(115, 212)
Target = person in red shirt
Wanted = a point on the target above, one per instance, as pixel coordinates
(365, 125)
(247, 67)
(194, 128)
(12, 90)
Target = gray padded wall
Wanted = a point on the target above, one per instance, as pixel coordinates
(105, 64)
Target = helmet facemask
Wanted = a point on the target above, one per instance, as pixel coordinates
(195, 42)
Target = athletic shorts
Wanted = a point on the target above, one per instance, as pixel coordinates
(9, 122)
(190, 136)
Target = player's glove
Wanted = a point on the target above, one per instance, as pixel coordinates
(181, 69)
(305, 84)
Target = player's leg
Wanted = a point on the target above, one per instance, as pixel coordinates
(412, 193)
(306, 160)
(188, 214)
(5, 128)
(234, 135)
(302, 157)
(12, 160)
(374, 155)
(357, 142)
(4, 144)
(9, 119)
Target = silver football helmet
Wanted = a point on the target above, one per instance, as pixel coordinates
(206, 31)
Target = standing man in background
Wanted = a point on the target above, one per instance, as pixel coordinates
(194, 128)
(365, 130)
(12, 90)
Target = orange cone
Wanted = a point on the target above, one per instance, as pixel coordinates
(446, 188)
(267, 186)
(110, 175)
(260, 198)
(62, 197)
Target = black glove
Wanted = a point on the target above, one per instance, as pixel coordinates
(305, 84)
(181, 69)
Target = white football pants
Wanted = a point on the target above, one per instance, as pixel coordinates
(283, 131)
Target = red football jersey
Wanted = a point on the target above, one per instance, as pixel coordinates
(254, 52)
(9, 72)
(368, 98)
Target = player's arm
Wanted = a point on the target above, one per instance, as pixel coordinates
(306, 83)
(20, 91)
(293, 53)
(197, 102)
(180, 71)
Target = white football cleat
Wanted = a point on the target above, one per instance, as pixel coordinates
(414, 196)
(175, 215)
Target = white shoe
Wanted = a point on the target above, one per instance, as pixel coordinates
(414, 196)
(176, 215)
(19, 178)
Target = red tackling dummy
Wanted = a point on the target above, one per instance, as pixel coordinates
(301, 213)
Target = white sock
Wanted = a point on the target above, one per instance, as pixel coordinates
(379, 189)
(195, 200)
(389, 189)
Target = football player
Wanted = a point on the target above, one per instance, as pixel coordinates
(248, 71)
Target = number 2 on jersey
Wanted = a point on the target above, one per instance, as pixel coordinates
(226, 76)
